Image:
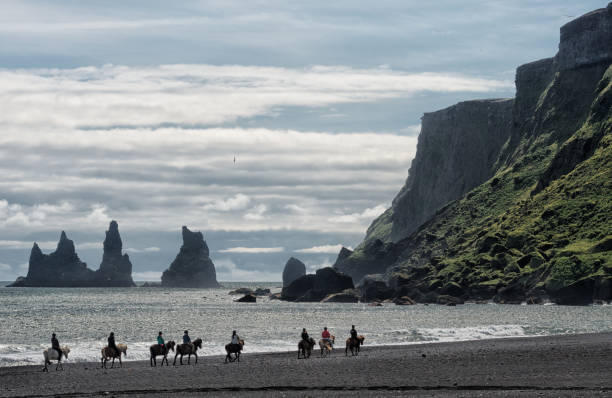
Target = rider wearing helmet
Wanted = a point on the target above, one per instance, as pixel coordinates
(305, 336)
(354, 334)
(112, 345)
(187, 339)
(326, 336)
(160, 341)
(55, 345)
(235, 338)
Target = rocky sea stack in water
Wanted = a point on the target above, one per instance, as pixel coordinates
(508, 200)
(116, 268)
(63, 268)
(293, 270)
(192, 267)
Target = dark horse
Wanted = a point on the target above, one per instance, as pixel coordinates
(157, 350)
(233, 349)
(305, 348)
(353, 345)
(188, 349)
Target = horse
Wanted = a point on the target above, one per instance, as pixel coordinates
(354, 345)
(109, 353)
(50, 354)
(157, 350)
(305, 348)
(326, 347)
(233, 349)
(188, 349)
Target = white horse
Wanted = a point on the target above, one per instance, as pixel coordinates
(106, 355)
(51, 354)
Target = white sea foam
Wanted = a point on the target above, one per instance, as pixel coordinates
(14, 355)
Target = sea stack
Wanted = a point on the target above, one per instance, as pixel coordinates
(62, 268)
(192, 266)
(116, 268)
(293, 270)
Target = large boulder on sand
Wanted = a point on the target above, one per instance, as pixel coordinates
(374, 288)
(293, 270)
(249, 298)
(192, 267)
(315, 287)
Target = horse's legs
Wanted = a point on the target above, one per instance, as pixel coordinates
(196, 357)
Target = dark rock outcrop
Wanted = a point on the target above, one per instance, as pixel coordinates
(63, 268)
(293, 270)
(374, 288)
(316, 287)
(116, 268)
(249, 298)
(241, 290)
(192, 266)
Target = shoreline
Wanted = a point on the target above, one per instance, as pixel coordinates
(549, 365)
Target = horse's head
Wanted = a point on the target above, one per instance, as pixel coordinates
(66, 351)
(122, 349)
(332, 338)
(241, 342)
(360, 338)
(198, 343)
(170, 345)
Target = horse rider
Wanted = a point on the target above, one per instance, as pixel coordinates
(305, 336)
(55, 345)
(354, 334)
(235, 339)
(187, 339)
(112, 345)
(326, 336)
(160, 341)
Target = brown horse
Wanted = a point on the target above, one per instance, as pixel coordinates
(188, 349)
(108, 353)
(157, 350)
(233, 349)
(327, 347)
(305, 348)
(353, 345)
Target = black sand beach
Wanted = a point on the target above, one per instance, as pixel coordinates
(565, 366)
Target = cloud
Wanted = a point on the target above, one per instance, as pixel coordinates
(202, 95)
(256, 213)
(253, 250)
(236, 202)
(367, 214)
(328, 249)
(5, 268)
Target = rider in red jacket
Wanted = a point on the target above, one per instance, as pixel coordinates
(326, 336)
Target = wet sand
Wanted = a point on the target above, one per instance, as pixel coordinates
(559, 366)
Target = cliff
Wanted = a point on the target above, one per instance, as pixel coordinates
(538, 225)
(116, 268)
(192, 266)
(63, 268)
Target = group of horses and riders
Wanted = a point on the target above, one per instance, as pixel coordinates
(162, 348)
(326, 344)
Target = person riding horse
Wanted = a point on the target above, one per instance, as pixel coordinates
(55, 345)
(354, 335)
(305, 336)
(112, 345)
(326, 336)
(187, 339)
(235, 339)
(160, 341)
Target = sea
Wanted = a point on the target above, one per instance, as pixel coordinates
(83, 318)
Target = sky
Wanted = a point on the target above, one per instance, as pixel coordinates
(277, 128)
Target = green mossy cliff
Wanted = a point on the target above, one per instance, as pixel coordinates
(537, 223)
